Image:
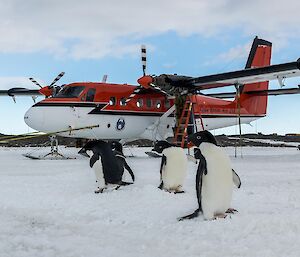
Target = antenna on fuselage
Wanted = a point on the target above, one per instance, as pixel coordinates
(104, 79)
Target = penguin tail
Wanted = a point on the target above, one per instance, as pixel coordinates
(190, 216)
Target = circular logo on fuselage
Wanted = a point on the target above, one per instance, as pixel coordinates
(120, 124)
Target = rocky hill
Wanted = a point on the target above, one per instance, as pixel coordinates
(273, 140)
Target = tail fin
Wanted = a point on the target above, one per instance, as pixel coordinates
(259, 56)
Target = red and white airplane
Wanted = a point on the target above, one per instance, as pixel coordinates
(121, 111)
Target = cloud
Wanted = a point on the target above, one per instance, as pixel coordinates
(94, 29)
(237, 53)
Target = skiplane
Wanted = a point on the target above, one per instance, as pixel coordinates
(147, 110)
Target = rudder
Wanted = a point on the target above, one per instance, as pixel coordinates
(259, 56)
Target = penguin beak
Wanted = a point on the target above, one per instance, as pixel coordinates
(83, 152)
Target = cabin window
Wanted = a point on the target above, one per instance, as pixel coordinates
(112, 101)
(123, 101)
(148, 102)
(139, 103)
(90, 95)
(70, 92)
(158, 104)
(167, 103)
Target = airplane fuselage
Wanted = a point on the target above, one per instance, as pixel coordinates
(87, 104)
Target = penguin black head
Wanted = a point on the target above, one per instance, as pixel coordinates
(116, 146)
(201, 137)
(93, 146)
(161, 145)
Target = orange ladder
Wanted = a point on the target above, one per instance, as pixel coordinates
(184, 123)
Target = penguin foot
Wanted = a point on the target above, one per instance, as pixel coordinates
(231, 211)
(220, 216)
(179, 192)
(99, 190)
(161, 186)
(123, 183)
(190, 216)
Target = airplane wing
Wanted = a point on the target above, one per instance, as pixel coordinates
(19, 91)
(173, 83)
(246, 76)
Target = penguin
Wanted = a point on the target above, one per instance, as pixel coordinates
(173, 166)
(117, 149)
(104, 163)
(214, 179)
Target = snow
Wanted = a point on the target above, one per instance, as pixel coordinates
(48, 208)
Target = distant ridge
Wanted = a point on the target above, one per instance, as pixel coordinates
(272, 140)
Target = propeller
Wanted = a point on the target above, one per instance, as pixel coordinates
(57, 79)
(144, 58)
(35, 82)
(52, 89)
(144, 64)
(146, 81)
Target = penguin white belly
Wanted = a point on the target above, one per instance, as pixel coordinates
(98, 169)
(217, 185)
(174, 172)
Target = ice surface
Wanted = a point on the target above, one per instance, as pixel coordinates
(48, 208)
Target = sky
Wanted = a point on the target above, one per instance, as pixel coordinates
(87, 39)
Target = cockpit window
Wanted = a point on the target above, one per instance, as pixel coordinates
(70, 92)
(90, 95)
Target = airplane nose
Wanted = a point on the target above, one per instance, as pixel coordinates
(34, 118)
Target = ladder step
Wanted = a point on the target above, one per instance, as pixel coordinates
(177, 143)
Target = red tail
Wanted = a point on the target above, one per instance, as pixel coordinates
(260, 56)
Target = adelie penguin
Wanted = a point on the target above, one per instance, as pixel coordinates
(173, 166)
(107, 167)
(117, 149)
(215, 178)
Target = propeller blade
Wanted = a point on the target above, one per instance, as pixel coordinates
(144, 58)
(134, 93)
(35, 82)
(159, 89)
(57, 78)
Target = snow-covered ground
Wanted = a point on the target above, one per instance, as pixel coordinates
(48, 208)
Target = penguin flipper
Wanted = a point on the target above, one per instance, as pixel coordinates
(190, 216)
(202, 169)
(93, 159)
(129, 170)
(236, 179)
(162, 164)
